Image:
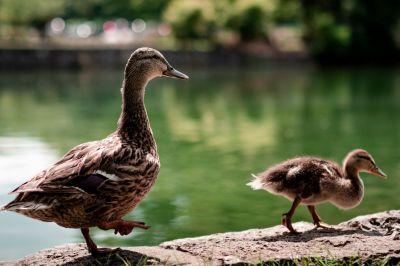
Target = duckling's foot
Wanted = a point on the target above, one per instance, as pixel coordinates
(320, 224)
(316, 219)
(286, 221)
(291, 233)
(283, 220)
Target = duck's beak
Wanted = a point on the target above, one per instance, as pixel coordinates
(173, 73)
(378, 172)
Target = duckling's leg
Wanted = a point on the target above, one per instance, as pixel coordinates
(287, 217)
(92, 247)
(122, 227)
(316, 219)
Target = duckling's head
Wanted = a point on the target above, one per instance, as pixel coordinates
(148, 63)
(361, 161)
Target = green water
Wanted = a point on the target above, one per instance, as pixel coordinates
(212, 132)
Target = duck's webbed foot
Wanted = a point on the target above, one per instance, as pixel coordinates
(126, 227)
(92, 247)
(122, 227)
(100, 251)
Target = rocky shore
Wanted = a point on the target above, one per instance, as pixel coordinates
(372, 238)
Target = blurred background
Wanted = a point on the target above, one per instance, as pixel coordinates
(269, 80)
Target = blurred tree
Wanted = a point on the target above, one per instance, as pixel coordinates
(352, 30)
(192, 19)
(35, 13)
(149, 9)
(250, 18)
(287, 11)
(111, 9)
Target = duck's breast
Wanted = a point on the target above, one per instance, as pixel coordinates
(133, 182)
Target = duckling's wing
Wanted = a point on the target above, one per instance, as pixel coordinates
(77, 167)
(309, 174)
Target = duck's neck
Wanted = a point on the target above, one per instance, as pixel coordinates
(133, 124)
(351, 189)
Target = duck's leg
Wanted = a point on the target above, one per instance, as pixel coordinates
(122, 227)
(287, 217)
(316, 219)
(92, 247)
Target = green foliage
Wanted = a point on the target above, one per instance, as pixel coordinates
(191, 19)
(34, 12)
(37, 13)
(111, 9)
(287, 11)
(250, 18)
(356, 30)
(352, 29)
(324, 33)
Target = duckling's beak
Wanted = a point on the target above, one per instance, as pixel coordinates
(378, 172)
(173, 73)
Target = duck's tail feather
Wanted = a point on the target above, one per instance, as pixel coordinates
(23, 206)
(256, 183)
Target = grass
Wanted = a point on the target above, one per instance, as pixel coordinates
(315, 261)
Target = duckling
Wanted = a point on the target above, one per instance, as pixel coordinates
(97, 183)
(311, 181)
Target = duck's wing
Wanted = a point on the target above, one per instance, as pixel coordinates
(76, 169)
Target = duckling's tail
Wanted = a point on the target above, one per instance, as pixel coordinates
(256, 183)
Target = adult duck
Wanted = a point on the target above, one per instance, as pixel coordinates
(96, 183)
(311, 181)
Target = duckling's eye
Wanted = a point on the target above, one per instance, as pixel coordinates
(364, 157)
(151, 57)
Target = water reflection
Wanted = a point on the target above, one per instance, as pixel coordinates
(211, 132)
(20, 157)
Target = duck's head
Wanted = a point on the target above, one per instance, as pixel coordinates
(361, 161)
(148, 63)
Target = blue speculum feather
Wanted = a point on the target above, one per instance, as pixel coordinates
(88, 183)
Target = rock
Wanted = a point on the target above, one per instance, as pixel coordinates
(77, 254)
(369, 238)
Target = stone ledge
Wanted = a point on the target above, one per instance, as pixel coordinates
(374, 237)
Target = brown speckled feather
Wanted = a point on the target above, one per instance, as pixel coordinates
(309, 178)
(82, 160)
(302, 175)
(102, 180)
(311, 181)
(57, 190)
(97, 183)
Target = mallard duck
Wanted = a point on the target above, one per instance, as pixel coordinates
(311, 181)
(96, 183)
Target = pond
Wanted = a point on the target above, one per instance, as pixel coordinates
(212, 132)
